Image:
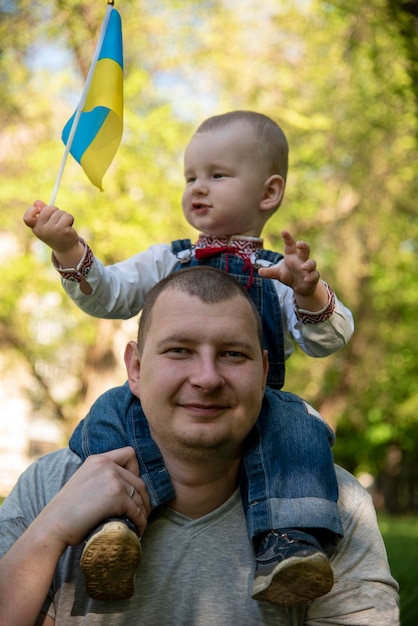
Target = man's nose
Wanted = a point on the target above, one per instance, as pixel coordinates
(207, 374)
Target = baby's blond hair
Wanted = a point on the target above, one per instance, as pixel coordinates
(271, 137)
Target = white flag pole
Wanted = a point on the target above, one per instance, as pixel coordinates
(82, 101)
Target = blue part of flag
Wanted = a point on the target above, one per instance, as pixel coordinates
(88, 127)
(112, 44)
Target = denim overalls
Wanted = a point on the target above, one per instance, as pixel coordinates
(287, 473)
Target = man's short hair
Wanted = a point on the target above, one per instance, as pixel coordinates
(208, 284)
(267, 131)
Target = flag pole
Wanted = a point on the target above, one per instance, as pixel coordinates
(82, 99)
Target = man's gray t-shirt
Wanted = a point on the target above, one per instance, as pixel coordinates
(200, 572)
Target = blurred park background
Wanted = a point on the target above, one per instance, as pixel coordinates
(341, 78)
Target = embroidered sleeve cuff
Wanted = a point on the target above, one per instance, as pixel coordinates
(79, 273)
(316, 317)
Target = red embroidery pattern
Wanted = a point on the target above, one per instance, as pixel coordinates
(207, 247)
(321, 316)
(246, 246)
(76, 275)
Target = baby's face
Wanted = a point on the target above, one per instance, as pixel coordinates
(225, 175)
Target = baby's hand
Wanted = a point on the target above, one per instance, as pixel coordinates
(52, 226)
(296, 270)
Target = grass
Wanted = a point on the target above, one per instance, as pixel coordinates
(400, 535)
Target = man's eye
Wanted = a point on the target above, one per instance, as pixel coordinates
(235, 355)
(177, 352)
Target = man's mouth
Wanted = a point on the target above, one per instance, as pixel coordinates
(204, 410)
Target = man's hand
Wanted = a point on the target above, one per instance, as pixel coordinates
(55, 228)
(99, 489)
(299, 272)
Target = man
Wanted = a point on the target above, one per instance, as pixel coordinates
(200, 371)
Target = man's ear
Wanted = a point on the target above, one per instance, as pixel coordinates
(272, 193)
(133, 366)
(265, 368)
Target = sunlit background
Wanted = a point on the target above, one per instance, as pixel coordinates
(340, 77)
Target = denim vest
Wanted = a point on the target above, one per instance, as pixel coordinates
(261, 292)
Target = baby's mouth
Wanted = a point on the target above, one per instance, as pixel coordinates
(198, 207)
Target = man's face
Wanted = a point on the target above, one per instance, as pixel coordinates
(201, 375)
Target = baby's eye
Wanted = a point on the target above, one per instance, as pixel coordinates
(218, 175)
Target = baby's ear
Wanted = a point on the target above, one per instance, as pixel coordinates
(273, 192)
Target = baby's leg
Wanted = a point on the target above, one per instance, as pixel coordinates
(290, 493)
(112, 551)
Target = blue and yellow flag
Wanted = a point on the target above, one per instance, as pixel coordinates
(100, 126)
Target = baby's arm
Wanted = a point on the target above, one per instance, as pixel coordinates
(55, 228)
(299, 272)
(114, 291)
(313, 317)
